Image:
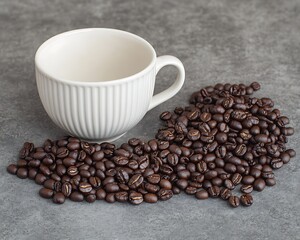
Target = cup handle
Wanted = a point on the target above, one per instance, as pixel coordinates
(163, 96)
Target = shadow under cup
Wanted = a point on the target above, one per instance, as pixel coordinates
(98, 83)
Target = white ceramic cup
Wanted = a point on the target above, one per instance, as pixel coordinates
(98, 83)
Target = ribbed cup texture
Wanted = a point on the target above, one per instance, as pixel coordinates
(98, 112)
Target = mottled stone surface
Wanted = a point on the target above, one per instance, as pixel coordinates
(218, 41)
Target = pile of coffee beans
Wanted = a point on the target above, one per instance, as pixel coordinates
(223, 141)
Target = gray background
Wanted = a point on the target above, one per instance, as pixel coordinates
(218, 41)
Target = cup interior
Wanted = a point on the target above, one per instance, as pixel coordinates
(94, 55)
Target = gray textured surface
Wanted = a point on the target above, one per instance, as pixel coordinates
(218, 41)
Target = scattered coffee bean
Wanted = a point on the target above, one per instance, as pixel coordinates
(135, 198)
(22, 172)
(58, 198)
(150, 198)
(246, 200)
(202, 194)
(165, 194)
(66, 189)
(121, 196)
(46, 193)
(246, 188)
(224, 138)
(225, 193)
(12, 169)
(259, 184)
(234, 201)
(76, 197)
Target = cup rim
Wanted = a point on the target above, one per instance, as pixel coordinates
(81, 83)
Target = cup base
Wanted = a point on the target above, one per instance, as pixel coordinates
(111, 139)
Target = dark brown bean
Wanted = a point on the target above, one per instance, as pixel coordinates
(202, 194)
(46, 193)
(234, 201)
(246, 200)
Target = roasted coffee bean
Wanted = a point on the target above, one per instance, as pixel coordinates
(22, 173)
(246, 189)
(182, 184)
(246, 200)
(210, 174)
(230, 168)
(135, 198)
(121, 196)
(291, 152)
(100, 194)
(111, 187)
(85, 187)
(259, 184)
(190, 190)
(40, 178)
(154, 178)
(39, 155)
(60, 170)
(285, 157)
(98, 156)
(202, 194)
(46, 193)
(120, 160)
(12, 169)
(236, 179)
(32, 173)
(76, 197)
(58, 198)
(44, 170)
(152, 188)
(270, 182)
(165, 115)
(90, 198)
(84, 173)
(217, 181)
(225, 193)
(175, 190)
(172, 159)
(214, 191)
(248, 180)
(62, 152)
(165, 194)
(221, 137)
(57, 186)
(228, 184)
(49, 183)
(110, 198)
(21, 163)
(165, 135)
(69, 162)
(201, 167)
(164, 183)
(135, 181)
(150, 198)
(234, 201)
(166, 169)
(276, 163)
(95, 181)
(143, 162)
(255, 172)
(184, 174)
(193, 135)
(122, 176)
(55, 177)
(66, 189)
(72, 171)
(108, 180)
